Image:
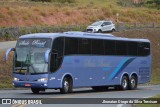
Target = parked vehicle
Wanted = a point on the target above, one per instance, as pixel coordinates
(101, 26)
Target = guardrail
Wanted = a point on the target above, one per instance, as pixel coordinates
(127, 26)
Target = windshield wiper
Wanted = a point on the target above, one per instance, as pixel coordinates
(29, 64)
(22, 64)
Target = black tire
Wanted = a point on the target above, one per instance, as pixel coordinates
(113, 30)
(35, 90)
(133, 82)
(66, 86)
(99, 31)
(124, 83)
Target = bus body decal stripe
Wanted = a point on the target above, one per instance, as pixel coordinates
(120, 67)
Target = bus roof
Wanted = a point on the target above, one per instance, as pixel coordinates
(77, 34)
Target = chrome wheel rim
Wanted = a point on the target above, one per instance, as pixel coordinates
(124, 83)
(66, 86)
(133, 82)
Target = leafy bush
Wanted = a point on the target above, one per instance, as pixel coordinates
(125, 3)
(129, 3)
(153, 3)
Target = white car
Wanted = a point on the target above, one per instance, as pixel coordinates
(101, 26)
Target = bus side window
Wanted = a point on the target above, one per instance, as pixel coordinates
(58, 45)
(110, 47)
(57, 54)
(147, 48)
(121, 47)
(97, 47)
(71, 46)
(143, 49)
(84, 46)
(132, 48)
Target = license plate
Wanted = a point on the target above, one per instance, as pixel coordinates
(27, 85)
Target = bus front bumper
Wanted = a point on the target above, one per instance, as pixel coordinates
(28, 84)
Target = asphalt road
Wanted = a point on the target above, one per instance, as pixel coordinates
(140, 92)
(6, 45)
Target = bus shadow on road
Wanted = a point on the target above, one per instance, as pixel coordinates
(83, 91)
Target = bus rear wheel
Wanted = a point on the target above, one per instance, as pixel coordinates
(66, 85)
(133, 83)
(124, 83)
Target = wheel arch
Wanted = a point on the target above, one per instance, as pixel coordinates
(113, 29)
(134, 74)
(68, 75)
(100, 30)
(124, 74)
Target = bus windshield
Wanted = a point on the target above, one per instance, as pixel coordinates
(29, 56)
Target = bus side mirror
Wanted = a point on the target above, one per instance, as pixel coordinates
(7, 53)
(46, 57)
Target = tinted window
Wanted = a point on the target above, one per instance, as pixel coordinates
(132, 48)
(107, 23)
(84, 46)
(71, 46)
(101, 47)
(58, 45)
(97, 47)
(121, 48)
(57, 54)
(143, 49)
(109, 46)
(147, 48)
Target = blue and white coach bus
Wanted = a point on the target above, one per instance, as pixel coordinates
(78, 59)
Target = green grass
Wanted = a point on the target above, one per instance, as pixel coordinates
(155, 76)
(6, 82)
(149, 105)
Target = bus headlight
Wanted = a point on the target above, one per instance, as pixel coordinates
(15, 79)
(42, 79)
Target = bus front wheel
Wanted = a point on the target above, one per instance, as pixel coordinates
(66, 85)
